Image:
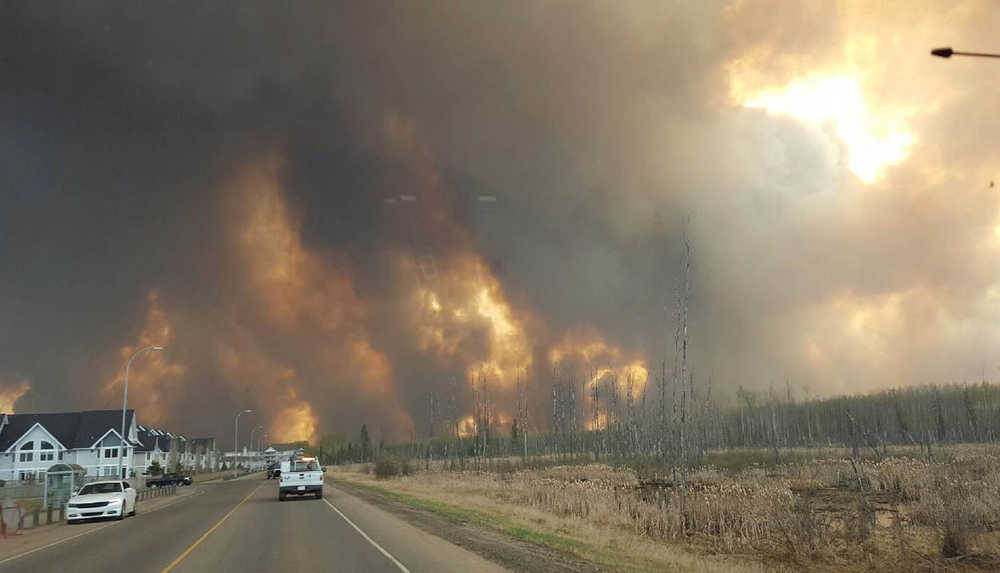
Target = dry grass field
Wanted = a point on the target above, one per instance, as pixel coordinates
(815, 510)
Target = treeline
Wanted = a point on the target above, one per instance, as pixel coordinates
(919, 415)
(604, 420)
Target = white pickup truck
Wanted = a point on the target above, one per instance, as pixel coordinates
(300, 476)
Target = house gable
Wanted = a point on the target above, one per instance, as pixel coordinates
(36, 432)
(110, 439)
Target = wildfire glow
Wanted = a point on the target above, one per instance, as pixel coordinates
(307, 298)
(294, 423)
(602, 363)
(600, 423)
(154, 386)
(9, 395)
(467, 427)
(465, 301)
(872, 143)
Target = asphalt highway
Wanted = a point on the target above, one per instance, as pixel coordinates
(241, 526)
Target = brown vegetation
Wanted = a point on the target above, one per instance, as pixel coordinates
(823, 510)
(388, 466)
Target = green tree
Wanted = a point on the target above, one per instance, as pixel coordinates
(155, 468)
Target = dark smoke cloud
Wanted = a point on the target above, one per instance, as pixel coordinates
(139, 142)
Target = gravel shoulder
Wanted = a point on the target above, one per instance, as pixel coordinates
(472, 531)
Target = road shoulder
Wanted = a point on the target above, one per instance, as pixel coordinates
(468, 532)
(35, 538)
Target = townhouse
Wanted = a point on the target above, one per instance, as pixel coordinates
(32, 443)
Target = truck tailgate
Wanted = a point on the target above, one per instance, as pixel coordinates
(301, 479)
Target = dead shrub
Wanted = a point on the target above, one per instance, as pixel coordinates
(860, 521)
(388, 467)
(959, 501)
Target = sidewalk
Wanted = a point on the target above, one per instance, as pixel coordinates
(50, 532)
(227, 478)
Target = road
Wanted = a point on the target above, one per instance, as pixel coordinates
(241, 526)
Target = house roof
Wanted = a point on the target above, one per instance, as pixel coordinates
(151, 438)
(75, 430)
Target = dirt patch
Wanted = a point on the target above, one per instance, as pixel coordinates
(513, 554)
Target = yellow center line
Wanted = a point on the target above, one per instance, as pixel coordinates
(207, 533)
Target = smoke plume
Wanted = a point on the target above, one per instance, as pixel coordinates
(328, 212)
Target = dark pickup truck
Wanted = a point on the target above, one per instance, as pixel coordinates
(168, 479)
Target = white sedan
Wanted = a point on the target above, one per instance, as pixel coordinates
(102, 499)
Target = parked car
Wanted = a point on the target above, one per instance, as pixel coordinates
(274, 470)
(169, 479)
(101, 499)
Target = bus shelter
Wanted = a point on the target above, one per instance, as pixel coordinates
(61, 480)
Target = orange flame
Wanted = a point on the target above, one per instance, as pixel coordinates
(467, 299)
(608, 366)
(11, 394)
(308, 296)
(467, 427)
(599, 424)
(294, 423)
(154, 377)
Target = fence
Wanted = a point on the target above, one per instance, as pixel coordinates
(152, 492)
(16, 490)
(9, 513)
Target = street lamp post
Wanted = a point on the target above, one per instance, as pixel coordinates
(236, 437)
(948, 52)
(259, 427)
(128, 366)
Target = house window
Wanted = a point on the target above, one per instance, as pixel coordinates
(26, 454)
(47, 454)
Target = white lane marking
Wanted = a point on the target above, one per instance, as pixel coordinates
(365, 535)
(89, 531)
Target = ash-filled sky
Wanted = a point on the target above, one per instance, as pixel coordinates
(327, 210)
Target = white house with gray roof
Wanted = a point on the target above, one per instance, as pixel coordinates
(170, 449)
(32, 443)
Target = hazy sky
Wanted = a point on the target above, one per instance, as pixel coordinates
(327, 210)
